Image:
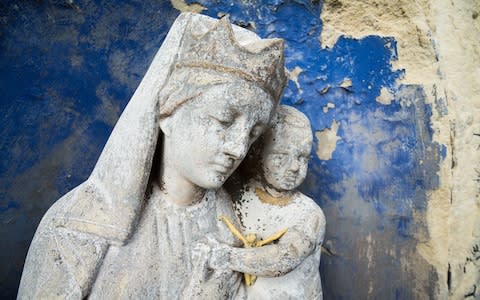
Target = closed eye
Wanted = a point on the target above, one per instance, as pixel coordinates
(278, 158)
(303, 158)
(224, 122)
(256, 132)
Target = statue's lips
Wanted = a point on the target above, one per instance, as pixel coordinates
(291, 178)
(224, 169)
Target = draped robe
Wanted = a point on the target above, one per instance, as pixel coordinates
(86, 236)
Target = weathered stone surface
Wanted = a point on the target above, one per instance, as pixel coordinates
(144, 223)
(269, 203)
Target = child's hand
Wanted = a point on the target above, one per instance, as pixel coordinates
(209, 275)
(220, 256)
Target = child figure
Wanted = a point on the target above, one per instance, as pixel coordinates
(269, 209)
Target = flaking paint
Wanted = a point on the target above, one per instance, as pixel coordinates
(70, 67)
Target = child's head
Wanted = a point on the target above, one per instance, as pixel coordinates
(286, 149)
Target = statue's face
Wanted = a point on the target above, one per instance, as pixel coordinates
(211, 134)
(285, 158)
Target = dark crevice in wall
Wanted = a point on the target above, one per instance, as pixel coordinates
(449, 278)
(472, 293)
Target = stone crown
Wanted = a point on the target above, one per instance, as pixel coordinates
(261, 61)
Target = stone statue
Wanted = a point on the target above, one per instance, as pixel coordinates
(145, 223)
(269, 209)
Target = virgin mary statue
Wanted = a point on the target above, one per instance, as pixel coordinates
(140, 226)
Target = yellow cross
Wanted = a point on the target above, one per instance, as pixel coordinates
(250, 241)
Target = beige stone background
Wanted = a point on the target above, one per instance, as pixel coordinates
(439, 48)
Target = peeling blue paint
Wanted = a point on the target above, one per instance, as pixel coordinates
(69, 68)
(384, 162)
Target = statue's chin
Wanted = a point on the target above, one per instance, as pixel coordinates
(288, 187)
(212, 182)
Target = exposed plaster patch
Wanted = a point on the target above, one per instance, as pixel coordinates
(385, 97)
(404, 20)
(346, 83)
(370, 287)
(184, 7)
(328, 106)
(456, 34)
(437, 45)
(325, 90)
(327, 141)
(293, 76)
(370, 244)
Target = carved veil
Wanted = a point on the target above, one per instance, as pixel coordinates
(75, 233)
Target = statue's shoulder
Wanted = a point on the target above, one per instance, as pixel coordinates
(307, 202)
(60, 262)
(55, 212)
(314, 211)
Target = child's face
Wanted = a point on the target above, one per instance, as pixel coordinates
(285, 158)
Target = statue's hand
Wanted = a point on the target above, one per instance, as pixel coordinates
(220, 256)
(214, 254)
(209, 277)
(200, 259)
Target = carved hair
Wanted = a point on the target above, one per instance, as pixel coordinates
(288, 116)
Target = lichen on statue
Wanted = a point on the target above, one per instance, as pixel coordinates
(144, 222)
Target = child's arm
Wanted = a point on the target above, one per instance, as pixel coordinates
(273, 260)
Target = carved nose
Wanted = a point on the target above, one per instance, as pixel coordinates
(294, 166)
(237, 147)
(236, 151)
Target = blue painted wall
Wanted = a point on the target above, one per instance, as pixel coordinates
(69, 68)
